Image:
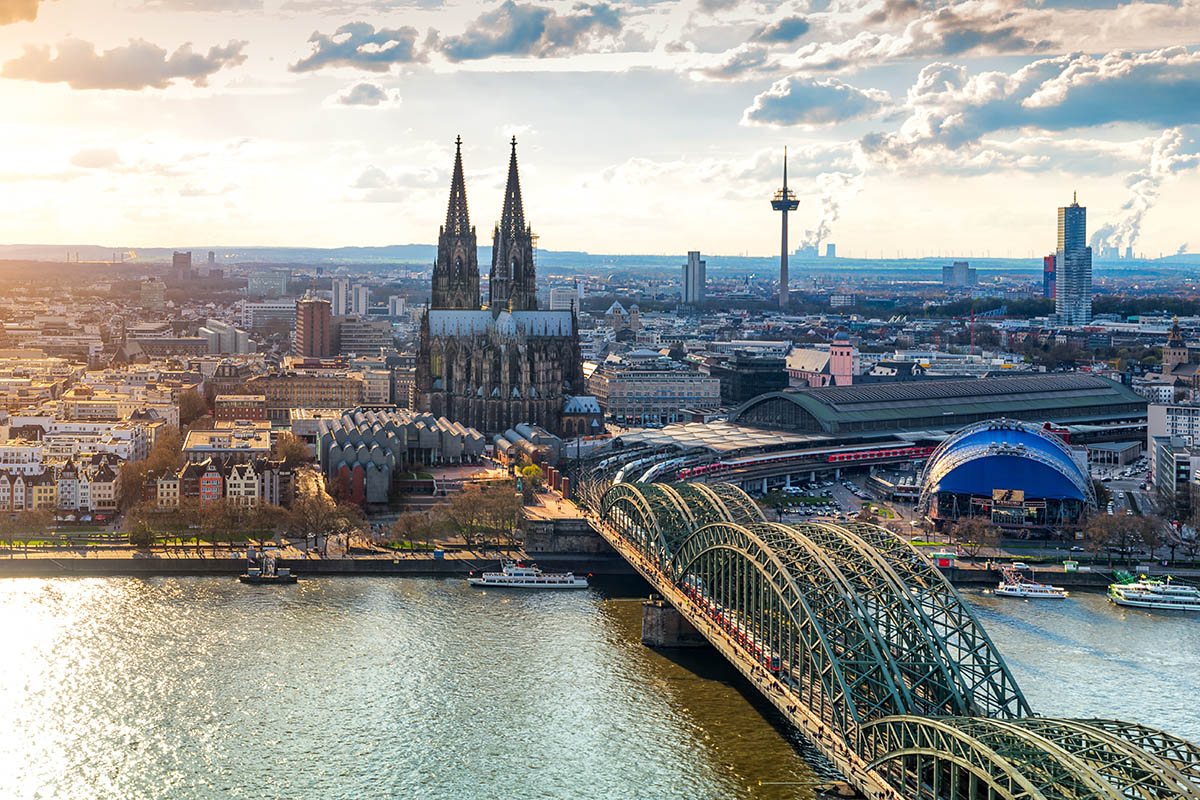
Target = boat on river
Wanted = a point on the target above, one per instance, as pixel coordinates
(513, 575)
(1014, 584)
(1152, 593)
(262, 570)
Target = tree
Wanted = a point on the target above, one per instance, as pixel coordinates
(316, 516)
(192, 406)
(531, 480)
(166, 456)
(291, 450)
(974, 534)
(1103, 495)
(141, 534)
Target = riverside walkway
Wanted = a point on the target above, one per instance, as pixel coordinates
(870, 652)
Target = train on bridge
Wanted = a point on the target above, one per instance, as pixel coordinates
(871, 653)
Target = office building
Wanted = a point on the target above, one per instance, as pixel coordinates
(360, 300)
(1048, 276)
(563, 298)
(362, 336)
(341, 297)
(262, 316)
(396, 306)
(646, 387)
(693, 280)
(212, 259)
(317, 388)
(960, 273)
(1073, 267)
(746, 374)
(181, 265)
(225, 338)
(314, 329)
(240, 408)
(153, 292)
(268, 283)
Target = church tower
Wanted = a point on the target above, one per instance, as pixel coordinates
(456, 271)
(513, 283)
(1176, 351)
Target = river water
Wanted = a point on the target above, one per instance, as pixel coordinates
(424, 688)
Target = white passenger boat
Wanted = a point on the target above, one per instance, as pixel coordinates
(1040, 591)
(1014, 584)
(520, 576)
(1155, 594)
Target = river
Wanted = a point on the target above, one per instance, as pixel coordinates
(424, 688)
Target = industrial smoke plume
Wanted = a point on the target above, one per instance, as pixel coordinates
(835, 187)
(1144, 186)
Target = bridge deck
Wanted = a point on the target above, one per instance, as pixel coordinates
(850, 763)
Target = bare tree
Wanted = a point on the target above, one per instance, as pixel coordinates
(975, 534)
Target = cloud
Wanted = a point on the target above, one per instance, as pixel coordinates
(18, 11)
(138, 65)
(979, 27)
(741, 62)
(784, 31)
(713, 6)
(524, 29)
(358, 44)
(96, 158)
(203, 5)
(376, 185)
(367, 95)
(194, 190)
(949, 109)
(804, 101)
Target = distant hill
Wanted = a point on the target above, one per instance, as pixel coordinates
(423, 255)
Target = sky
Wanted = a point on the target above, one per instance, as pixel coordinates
(643, 126)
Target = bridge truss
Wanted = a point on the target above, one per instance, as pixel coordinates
(888, 662)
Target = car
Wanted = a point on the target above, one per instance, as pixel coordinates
(1076, 549)
(1019, 565)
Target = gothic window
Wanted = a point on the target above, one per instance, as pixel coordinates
(457, 266)
(513, 269)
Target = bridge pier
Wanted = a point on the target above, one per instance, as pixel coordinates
(663, 626)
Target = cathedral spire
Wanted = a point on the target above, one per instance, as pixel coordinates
(456, 271)
(458, 221)
(512, 219)
(513, 281)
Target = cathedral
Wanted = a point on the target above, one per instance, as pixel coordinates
(493, 367)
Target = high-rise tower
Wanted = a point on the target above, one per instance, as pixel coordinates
(1073, 267)
(694, 278)
(784, 202)
(456, 271)
(513, 282)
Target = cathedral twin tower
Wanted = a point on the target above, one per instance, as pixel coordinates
(512, 282)
(494, 368)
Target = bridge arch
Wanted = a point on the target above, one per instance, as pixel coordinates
(771, 601)
(1034, 757)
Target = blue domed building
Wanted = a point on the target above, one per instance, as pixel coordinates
(1013, 473)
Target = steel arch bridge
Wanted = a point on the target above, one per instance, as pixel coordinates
(873, 654)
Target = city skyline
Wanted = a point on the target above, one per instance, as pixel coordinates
(911, 128)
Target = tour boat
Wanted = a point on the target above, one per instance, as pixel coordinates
(1031, 590)
(262, 570)
(520, 576)
(1014, 584)
(1155, 594)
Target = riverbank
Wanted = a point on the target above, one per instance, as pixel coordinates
(54, 565)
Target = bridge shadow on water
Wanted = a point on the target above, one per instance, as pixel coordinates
(709, 669)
